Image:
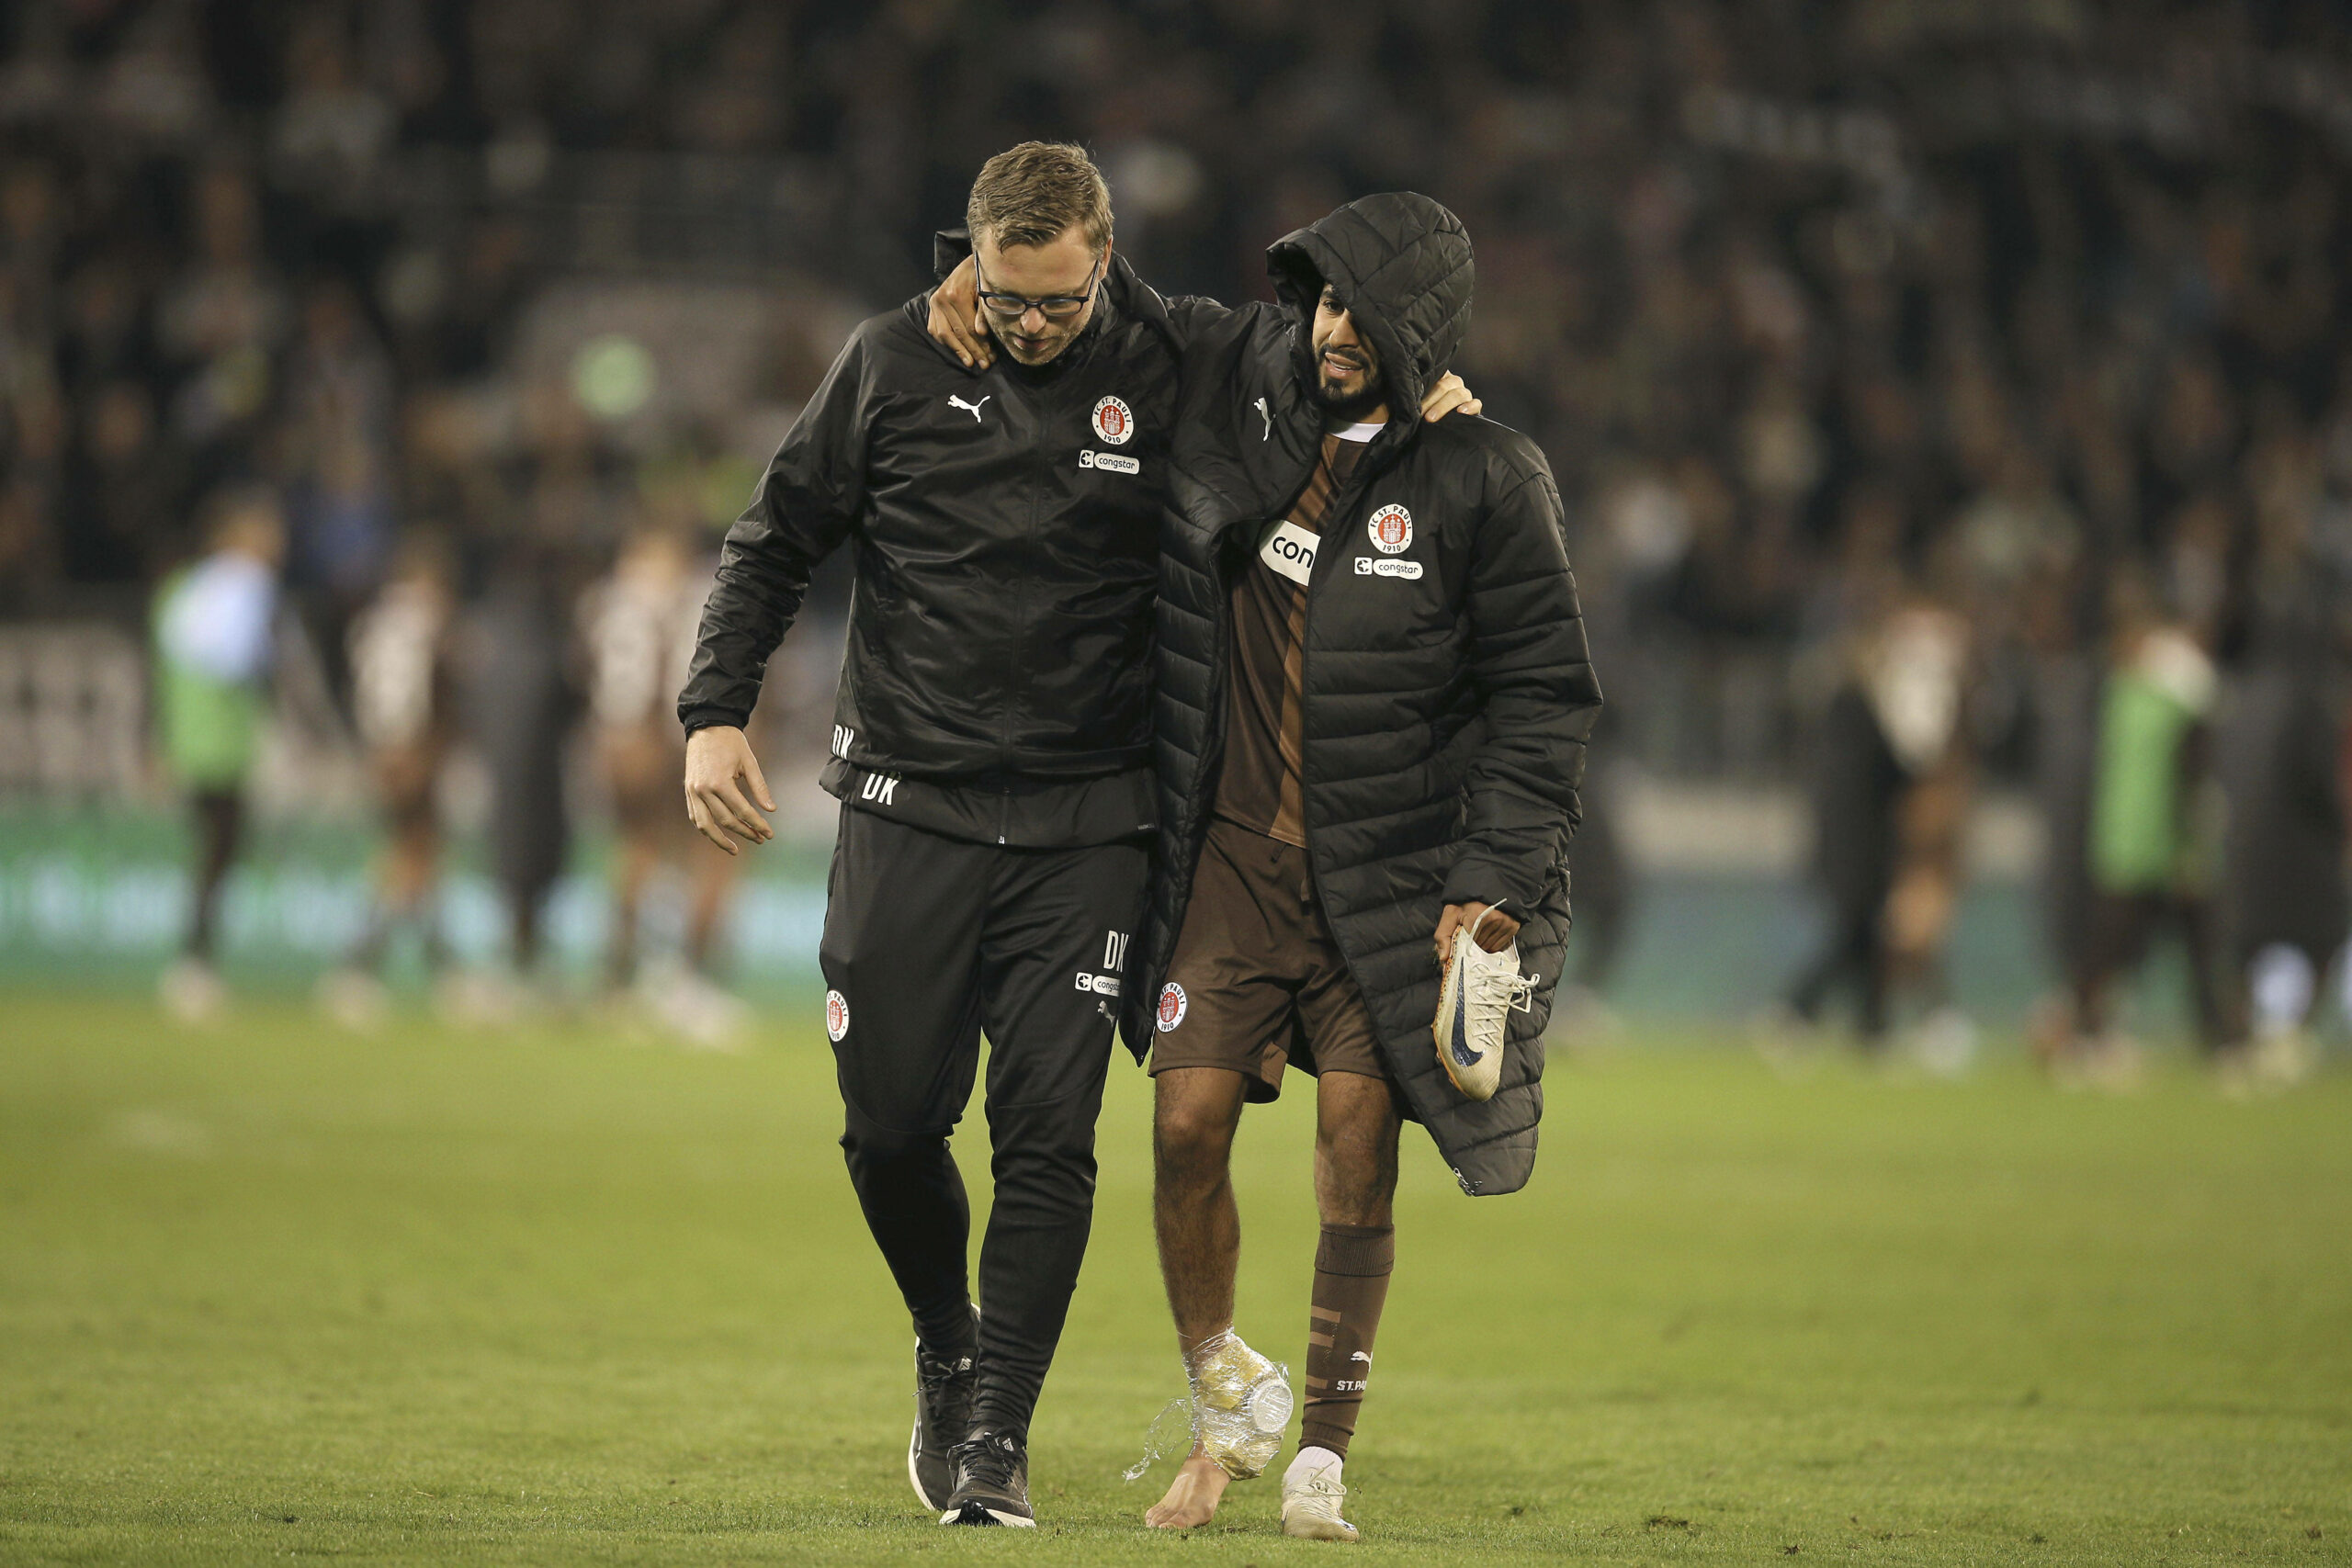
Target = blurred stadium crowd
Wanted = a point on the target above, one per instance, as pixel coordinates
(1950, 396)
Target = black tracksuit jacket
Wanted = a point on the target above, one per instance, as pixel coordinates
(998, 673)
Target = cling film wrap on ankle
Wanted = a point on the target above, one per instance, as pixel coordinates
(1240, 1404)
(1170, 1438)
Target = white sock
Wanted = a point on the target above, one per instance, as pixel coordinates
(1311, 1459)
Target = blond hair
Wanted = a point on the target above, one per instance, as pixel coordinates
(1028, 194)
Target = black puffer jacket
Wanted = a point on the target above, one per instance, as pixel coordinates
(1448, 691)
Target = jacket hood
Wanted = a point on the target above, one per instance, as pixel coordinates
(1401, 263)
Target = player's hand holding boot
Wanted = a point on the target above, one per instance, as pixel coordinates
(1482, 986)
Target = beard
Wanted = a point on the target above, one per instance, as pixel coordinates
(1346, 399)
(1348, 407)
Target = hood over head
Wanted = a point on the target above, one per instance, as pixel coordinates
(1401, 265)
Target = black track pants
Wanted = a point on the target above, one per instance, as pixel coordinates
(929, 942)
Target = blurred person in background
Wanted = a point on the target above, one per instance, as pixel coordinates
(1919, 681)
(2280, 746)
(1891, 794)
(337, 441)
(521, 701)
(404, 702)
(2152, 837)
(2065, 677)
(2283, 915)
(639, 626)
(214, 628)
(1857, 787)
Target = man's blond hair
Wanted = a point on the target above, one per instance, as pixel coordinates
(1028, 194)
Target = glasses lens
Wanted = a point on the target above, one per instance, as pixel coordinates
(1010, 308)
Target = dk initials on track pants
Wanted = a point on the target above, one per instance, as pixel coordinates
(929, 942)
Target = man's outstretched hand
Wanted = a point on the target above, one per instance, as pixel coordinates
(721, 773)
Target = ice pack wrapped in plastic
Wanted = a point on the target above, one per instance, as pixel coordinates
(1241, 1403)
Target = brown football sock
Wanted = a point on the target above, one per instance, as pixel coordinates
(1351, 1268)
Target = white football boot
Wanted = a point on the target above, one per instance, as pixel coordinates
(1480, 990)
(1241, 1403)
(1312, 1496)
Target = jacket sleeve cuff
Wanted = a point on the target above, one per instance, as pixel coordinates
(948, 248)
(710, 717)
(1478, 880)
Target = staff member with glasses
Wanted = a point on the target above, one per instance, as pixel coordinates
(991, 755)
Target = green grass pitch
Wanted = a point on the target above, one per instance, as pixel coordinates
(546, 1296)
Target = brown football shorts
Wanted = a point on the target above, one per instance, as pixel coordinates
(1257, 983)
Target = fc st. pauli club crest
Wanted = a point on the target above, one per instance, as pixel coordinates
(1114, 420)
(1391, 529)
(836, 1016)
(1171, 1006)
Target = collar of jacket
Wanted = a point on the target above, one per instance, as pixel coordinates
(1134, 299)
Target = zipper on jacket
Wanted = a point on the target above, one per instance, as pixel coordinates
(1008, 704)
(1343, 505)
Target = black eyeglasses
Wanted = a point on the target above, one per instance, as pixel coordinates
(1055, 308)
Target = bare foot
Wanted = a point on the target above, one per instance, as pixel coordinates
(1191, 1498)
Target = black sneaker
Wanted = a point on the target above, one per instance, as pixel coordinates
(991, 1482)
(943, 1387)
